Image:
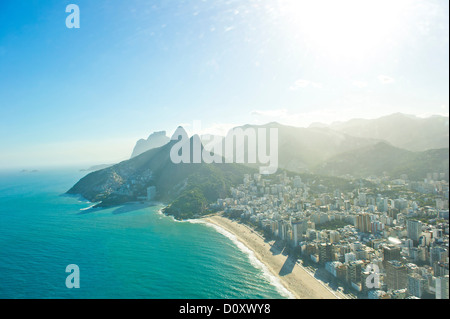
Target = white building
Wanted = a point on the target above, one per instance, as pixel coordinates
(151, 193)
(350, 257)
(442, 287)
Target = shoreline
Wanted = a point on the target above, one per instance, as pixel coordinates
(296, 279)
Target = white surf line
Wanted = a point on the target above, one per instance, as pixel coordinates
(92, 206)
(273, 280)
(259, 264)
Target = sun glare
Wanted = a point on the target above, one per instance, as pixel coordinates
(349, 28)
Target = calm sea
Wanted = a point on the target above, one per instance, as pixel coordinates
(131, 251)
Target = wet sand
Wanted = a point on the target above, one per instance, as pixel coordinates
(293, 276)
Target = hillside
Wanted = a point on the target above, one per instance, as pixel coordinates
(400, 130)
(384, 158)
(300, 149)
(188, 187)
(155, 140)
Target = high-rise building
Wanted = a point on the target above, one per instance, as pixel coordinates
(349, 257)
(347, 205)
(400, 203)
(442, 287)
(341, 272)
(416, 285)
(325, 253)
(299, 227)
(382, 205)
(409, 243)
(362, 199)
(396, 275)
(354, 271)
(376, 227)
(334, 236)
(390, 252)
(297, 182)
(363, 223)
(438, 254)
(440, 269)
(151, 193)
(437, 233)
(414, 230)
(283, 228)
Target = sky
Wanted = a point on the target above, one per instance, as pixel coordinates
(86, 95)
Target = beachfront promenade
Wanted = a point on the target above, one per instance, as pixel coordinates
(294, 277)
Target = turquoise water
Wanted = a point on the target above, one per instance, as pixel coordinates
(126, 252)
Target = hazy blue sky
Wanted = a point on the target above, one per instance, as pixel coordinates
(134, 67)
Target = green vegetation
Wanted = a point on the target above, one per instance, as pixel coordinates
(205, 187)
(384, 158)
(190, 188)
(332, 225)
(187, 188)
(190, 204)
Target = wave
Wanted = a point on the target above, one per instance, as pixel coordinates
(273, 280)
(161, 213)
(90, 207)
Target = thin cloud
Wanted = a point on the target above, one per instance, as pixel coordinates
(278, 113)
(297, 118)
(386, 79)
(445, 108)
(302, 83)
(196, 127)
(324, 115)
(360, 84)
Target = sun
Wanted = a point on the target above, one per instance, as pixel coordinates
(346, 28)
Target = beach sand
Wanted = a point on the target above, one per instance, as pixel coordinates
(293, 276)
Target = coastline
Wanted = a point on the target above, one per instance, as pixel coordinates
(298, 282)
(293, 276)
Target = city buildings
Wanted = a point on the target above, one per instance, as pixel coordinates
(346, 226)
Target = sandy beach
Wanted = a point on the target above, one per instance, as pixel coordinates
(293, 276)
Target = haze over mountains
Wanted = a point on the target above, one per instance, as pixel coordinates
(189, 187)
(404, 131)
(350, 147)
(396, 144)
(155, 140)
(300, 149)
(383, 158)
(358, 149)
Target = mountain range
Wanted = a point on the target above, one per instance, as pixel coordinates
(383, 158)
(188, 187)
(340, 149)
(155, 140)
(400, 130)
(362, 148)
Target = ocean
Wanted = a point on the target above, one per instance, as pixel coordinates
(132, 251)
